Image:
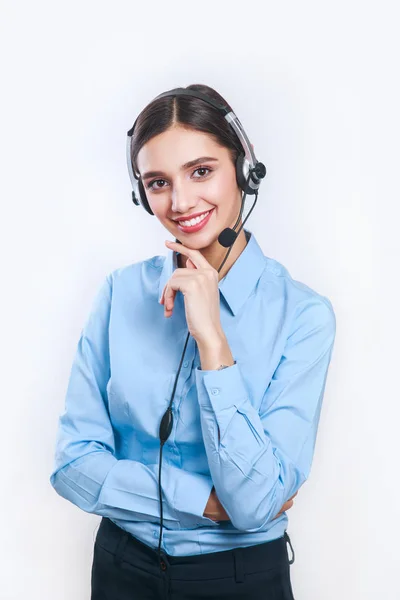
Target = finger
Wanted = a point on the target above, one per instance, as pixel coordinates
(167, 300)
(162, 300)
(162, 296)
(169, 297)
(284, 508)
(195, 255)
(190, 264)
(168, 304)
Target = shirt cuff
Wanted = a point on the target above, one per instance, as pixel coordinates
(222, 389)
(222, 393)
(190, 499)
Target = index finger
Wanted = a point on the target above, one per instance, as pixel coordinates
(195, 255)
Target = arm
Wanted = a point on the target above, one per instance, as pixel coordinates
(86, 470)
(259, 459)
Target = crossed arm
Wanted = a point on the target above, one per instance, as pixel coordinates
(215, 511)
(259, 459)
(255, 465)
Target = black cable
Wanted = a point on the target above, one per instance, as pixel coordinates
(167, 419)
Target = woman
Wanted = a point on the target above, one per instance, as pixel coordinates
(246, 400)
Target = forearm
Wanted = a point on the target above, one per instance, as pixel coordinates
(250, 480)
(215, 352)
(126, 489)
(260, 447)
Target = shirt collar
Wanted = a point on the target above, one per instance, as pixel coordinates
(240, 280)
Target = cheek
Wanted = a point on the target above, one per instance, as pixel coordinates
(226, 195)
(159, 207)
(219, 189)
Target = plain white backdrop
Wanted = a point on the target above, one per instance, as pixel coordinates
(316, 86)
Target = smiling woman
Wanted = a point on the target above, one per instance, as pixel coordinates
(179, 190)
(236, 413)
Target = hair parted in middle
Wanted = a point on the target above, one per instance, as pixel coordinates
(188, 112)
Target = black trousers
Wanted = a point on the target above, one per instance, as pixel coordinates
(124, 568)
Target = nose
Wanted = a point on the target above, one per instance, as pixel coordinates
(181, 200)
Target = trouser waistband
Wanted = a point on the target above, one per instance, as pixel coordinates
(227, 563)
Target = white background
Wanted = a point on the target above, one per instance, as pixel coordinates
(315, 84)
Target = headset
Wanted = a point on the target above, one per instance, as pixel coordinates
(249, 173)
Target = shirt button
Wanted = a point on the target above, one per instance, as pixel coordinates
(215, 391)
(155, 533)
(186, 363)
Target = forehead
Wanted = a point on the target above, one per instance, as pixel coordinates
(176, 146)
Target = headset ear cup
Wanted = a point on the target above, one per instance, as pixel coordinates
(240, 178)
(135, 200)
(143, 198)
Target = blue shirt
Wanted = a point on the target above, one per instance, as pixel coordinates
(249, 429)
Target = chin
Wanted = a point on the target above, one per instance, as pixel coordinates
(197, 241)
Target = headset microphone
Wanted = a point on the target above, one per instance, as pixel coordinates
(229, 235)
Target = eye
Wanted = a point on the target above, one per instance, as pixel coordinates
(150, 186)
(202, 169)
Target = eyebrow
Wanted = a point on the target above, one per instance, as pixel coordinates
(187, 165)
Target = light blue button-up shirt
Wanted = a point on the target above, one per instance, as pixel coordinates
(249, 430)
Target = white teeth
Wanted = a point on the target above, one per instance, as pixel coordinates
(193, 221)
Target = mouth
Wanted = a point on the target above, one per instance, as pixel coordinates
(195, 224)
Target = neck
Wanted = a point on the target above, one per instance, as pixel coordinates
(215, 254)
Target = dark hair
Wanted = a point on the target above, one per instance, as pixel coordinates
(188, 112)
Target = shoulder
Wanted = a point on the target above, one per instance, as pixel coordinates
(139, 267)
(301, 302)
(134, 276)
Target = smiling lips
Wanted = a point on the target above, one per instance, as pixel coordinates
(193, 225)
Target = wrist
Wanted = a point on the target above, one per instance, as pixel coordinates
(212, 341)
(215, 353)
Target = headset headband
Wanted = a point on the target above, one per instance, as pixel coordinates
(223, 109)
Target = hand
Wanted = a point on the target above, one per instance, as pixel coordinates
(198, 283)
(216, 512)
(214, 509)
(286, 506)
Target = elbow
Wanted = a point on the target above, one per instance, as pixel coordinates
(79, 479)
(252, 523)
(55, 481)
(62, 485)
(248, 522)
(255, 517)
(67, 482)
(247, 525)
(59, 483)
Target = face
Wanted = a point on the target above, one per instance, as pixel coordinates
(176, 190)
